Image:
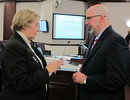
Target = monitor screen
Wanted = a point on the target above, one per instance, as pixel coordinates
(68, 26)
(43, 25)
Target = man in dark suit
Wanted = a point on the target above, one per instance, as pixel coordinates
(103, 74)
(24, 69)
(127, 38)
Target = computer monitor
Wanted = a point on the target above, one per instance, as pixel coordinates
(43, 25)
(68, 26)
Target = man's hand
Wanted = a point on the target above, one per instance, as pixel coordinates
(79, 77)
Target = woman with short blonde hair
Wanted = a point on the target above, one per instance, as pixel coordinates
(25, 72)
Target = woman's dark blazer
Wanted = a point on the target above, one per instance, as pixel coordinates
(23, 76)
(106, 66)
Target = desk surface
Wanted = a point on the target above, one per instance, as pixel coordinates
(68, 66)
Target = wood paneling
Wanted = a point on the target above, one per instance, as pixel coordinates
(73, 0)
(62, 87)
(106, 0)
(22, 0)
(9, 11)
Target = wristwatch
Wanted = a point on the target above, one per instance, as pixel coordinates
(84, 82)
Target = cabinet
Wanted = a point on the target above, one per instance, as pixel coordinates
(62, 87)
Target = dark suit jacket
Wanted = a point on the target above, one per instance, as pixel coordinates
(106, 66)
(23, 76)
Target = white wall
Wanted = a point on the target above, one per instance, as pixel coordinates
(46, 10)
(35, 6)
(1, 21)
(70, 7)
(119, 14)
(46, 14)
(65, 6)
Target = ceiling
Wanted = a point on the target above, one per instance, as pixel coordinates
(22, 0)
(73, 0)
(105, 0)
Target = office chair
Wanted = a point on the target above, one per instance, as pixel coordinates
(40, 47)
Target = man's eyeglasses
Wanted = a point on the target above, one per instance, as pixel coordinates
(88, 18)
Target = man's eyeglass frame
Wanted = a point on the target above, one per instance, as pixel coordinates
(88, 18)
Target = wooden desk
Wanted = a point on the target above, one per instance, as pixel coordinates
(62, 87)
(79, 61)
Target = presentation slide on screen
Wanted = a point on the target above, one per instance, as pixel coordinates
(69, 27)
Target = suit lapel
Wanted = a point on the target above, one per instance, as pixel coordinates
(17, 36)
(38, 53)
(98, 44)
(94, 49)
(89, 47)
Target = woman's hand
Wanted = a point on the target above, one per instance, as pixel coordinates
(53, 66)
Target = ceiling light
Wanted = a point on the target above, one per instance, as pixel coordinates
(128, 23)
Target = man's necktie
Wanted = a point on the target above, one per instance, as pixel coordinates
(94, 42)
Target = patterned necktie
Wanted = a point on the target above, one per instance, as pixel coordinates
(94, 42)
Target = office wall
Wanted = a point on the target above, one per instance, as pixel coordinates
(65, 6)
(1, 21)
(119, 14)
(46, 14)
(35, 6)
(45, 9)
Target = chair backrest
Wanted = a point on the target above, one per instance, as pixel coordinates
(40, 46)
(0, 44)
(3, 44)
(0, 71)
(0, 57)
(127, 91)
